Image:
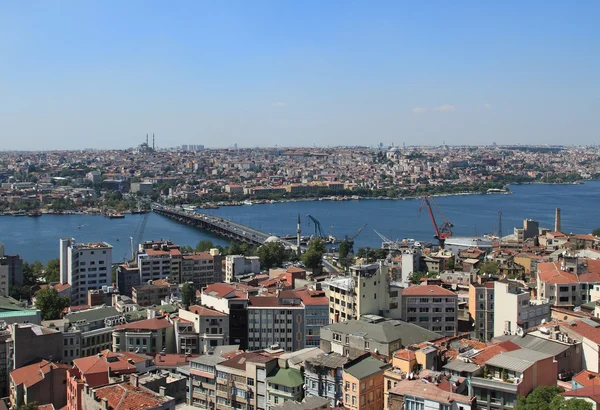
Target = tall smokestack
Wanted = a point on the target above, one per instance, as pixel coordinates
(146, 139)
(557, 220)
(298, 236)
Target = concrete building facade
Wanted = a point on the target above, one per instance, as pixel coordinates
(431, 307)
(518, 310)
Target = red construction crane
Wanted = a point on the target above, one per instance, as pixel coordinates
(445, 229)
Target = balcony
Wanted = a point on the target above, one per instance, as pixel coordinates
(209, 336)
(496, 384)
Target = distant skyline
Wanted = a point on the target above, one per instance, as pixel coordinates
(88, 74)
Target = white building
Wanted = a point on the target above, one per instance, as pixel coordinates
(366, 290)
(239, 265)
(515, 309)
(85, 266)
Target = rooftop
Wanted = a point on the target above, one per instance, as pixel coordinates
(427, 290)
(286, 377)
(387, 331)
(429, 391)
(364, 366)
(517, 360)
(124, 396)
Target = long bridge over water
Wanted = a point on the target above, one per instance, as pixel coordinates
(219, 226)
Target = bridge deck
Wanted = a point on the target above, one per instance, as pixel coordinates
(219, 226)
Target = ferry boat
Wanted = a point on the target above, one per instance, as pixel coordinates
(34, 213)
(114, 215)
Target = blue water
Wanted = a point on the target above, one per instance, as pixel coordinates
(37, 238)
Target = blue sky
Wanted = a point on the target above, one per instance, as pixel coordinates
(102, 74)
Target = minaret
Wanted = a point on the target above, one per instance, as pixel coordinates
(152, 141)
(298, 232)
(146, 139)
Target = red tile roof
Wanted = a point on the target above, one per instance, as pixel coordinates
(239, 361)
(148, 324)
(34, 373)
(550, 272)
(494, 350)
(587, 378)
(313, 297)
(405, 354)
(204, 311)
(591, 392)
(94, 369)
(124, 396)
(582, 329)
(427, 290)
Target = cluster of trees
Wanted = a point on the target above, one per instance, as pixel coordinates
(371, 255)
(547, 398)
(188, 294)
(33, 273)
(50, 303)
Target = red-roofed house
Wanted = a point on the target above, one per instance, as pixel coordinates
(97, 370)
(124, 396)
(568, 282)
(431, 307)
(42, 382)
(590, 394)
(145, 336)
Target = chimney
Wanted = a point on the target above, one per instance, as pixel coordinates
(557, 220)
(134, 380)
(162, 391)
(105, 405)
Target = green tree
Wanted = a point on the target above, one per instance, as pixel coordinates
(313, 256)
(271, 254)
(596, 232)
(345, 249)
(450, 263)
(50, 303)
(52, 273)
(28, 406)
(489, 267)
(560, 403)
(539, 399)
(188, 294)
(204, 246)
(416, 277)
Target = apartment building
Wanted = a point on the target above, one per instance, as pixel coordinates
(33, 342)
(201, 389)
(202, 268)
(201, 330)
(276, 320)
(87, 332)
(240, 265)
(241, 381)
(431, 307)
(373, 334)
(84, 266)
(323, 377)
(159, 260)
(11, 271)
(569, 282)
(420, 394)
(316, 314)
(511, 374)
(231, 299)
(43, 383)
(145, 336)
(363, 383)
(481, 309)
(367, 290)
(518, 310)
(154, 292)
(284, 384)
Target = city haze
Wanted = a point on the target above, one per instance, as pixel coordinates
(104, 74)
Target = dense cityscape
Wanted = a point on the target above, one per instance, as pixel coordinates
(305, 321)
(299, 205)
(114, 182)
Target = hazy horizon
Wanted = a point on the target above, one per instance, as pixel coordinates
(101, 75)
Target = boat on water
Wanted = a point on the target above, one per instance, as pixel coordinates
(114, 215)
(34, 214)
(189, 208)
(247, 202)
(497, 191)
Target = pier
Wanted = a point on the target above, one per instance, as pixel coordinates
(219, 226)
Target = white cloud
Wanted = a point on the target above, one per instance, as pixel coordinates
(445, 108)
(487, 106)
(419, 110)
(279, 104)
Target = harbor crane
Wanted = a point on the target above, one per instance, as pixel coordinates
(358, 231)
(387, 243)
(442, 231)
(139, 235)
(318, 230)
